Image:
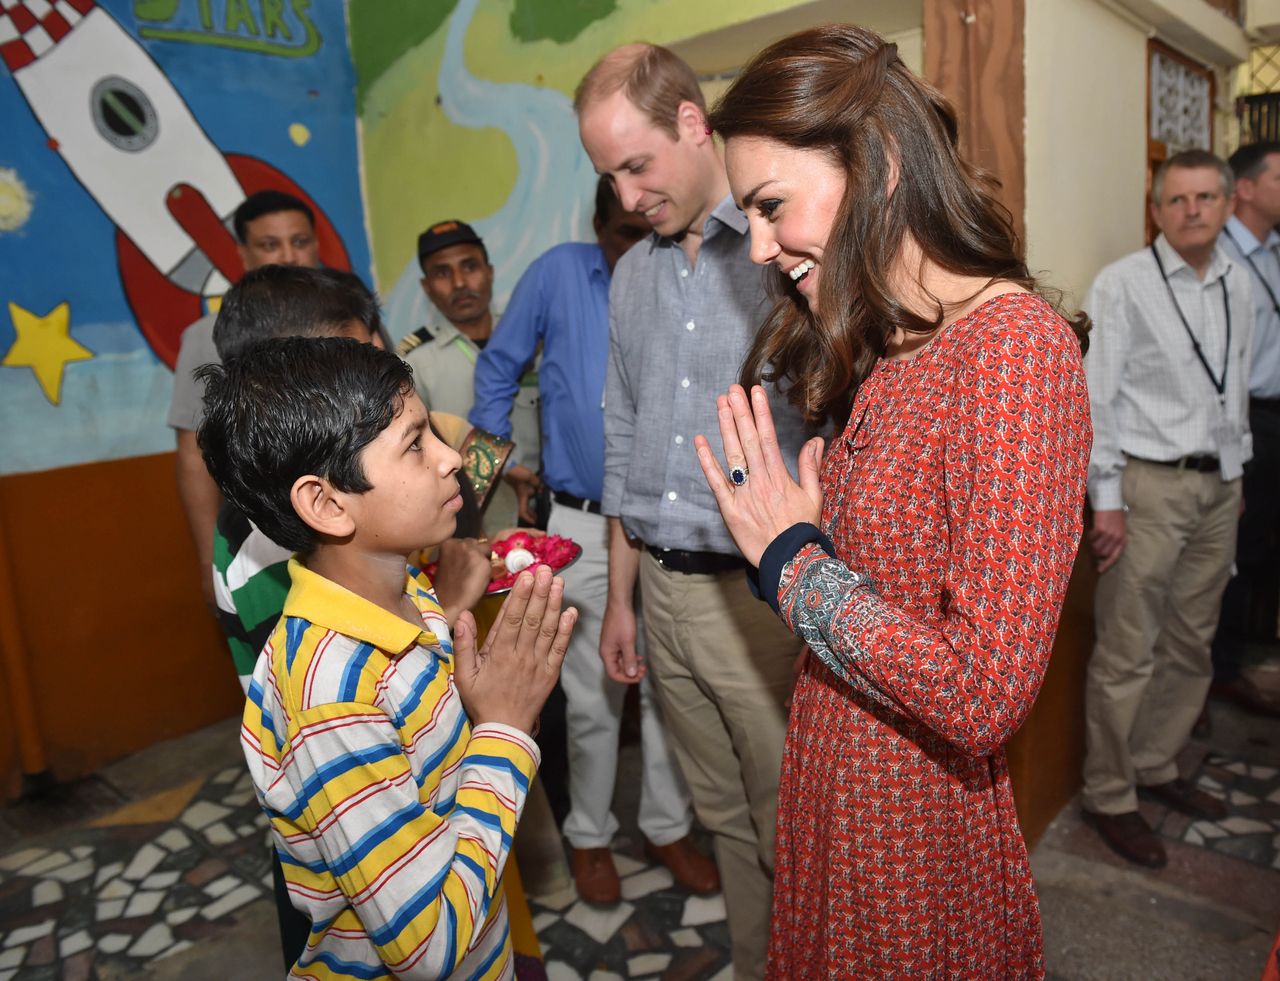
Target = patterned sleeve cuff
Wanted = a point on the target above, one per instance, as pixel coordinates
(764, 581)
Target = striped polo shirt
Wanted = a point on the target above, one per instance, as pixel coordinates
(393, 817)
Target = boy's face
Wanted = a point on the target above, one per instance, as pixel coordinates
(414, 500)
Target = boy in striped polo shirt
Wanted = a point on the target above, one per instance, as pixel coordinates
(392, 762)
(250, 572)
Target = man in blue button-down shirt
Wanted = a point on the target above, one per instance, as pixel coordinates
(562, 304)
(684, 308)
(1251, 241)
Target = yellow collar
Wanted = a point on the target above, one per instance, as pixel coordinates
(321, 601)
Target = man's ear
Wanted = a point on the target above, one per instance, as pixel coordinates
(244, 253)
(322, 508)
(691, 123)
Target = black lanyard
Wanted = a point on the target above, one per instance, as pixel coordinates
(1219, 384)
(1275, 304)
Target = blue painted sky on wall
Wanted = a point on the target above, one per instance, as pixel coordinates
(293, 113)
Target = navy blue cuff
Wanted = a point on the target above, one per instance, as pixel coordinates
(763, 581)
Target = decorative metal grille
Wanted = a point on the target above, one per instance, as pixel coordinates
(1180, 110)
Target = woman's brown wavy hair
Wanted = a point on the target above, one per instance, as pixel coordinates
(841, 90)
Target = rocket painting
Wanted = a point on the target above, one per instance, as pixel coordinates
(133, 143)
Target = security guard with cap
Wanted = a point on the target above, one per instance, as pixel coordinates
(458, 280)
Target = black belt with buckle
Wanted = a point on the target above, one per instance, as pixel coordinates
(696, 563)
(1199, 462)
(567, 500)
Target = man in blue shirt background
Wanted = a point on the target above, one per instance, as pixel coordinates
(562, 303)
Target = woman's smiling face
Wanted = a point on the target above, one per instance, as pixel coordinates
(791, 198)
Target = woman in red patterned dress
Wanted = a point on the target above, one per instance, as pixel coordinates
(949, 505)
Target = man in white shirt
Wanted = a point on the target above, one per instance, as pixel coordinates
(1251, 241)
(1168, 371)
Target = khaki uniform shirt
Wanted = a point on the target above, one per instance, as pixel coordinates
(444, 362)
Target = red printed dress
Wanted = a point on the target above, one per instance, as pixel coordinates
(956, 491)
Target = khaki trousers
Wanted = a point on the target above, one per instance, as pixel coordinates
(722, 668)
(1155, 612)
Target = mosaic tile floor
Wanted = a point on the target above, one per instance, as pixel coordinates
(124, 892)
(1251, 831)
(658, 930)
(156, 877)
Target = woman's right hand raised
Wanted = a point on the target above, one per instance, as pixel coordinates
(509, 678)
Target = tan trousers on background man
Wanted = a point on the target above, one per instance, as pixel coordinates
(1155, 612)
(722, 666)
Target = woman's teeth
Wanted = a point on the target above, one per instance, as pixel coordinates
(801, 269)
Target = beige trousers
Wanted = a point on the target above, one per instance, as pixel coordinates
(1155, 612)
(722, 669)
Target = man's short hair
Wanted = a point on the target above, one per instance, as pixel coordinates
(287, 301)
(1193, 160)
(293, 406)
(267, 203)
(654, 79)
(1247, 162)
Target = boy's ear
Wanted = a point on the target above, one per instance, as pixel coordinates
(321, 507)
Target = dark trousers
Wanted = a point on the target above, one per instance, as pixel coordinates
(294, 925)
(1258, 544)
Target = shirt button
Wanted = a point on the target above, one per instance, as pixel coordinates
(684, 382)
(689, 325)
(671, 495)
(684, 273)
(679, 440)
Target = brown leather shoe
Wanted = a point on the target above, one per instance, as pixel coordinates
(1184, 796)
(689, 867)
(1130, 837)
(595, 876)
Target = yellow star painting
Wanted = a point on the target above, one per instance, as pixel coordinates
(44, 345)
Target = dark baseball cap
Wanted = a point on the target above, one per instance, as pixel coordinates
(443, 234)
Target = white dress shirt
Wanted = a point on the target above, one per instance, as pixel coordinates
(1150, 395)
(1243, 248)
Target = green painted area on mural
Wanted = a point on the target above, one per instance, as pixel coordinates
(496, 54)
(382, 31)
(419, 166)
(556, 20)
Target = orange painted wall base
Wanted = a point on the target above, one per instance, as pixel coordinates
(121, 650)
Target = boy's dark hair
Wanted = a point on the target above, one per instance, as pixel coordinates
(1246, 163)
(293, 406)
(267, 203)
(289, 301)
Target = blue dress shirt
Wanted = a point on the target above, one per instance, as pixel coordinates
(1261, 262)
(562, 302)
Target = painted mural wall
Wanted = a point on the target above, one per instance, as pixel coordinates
(131, 131)
(466, 112)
